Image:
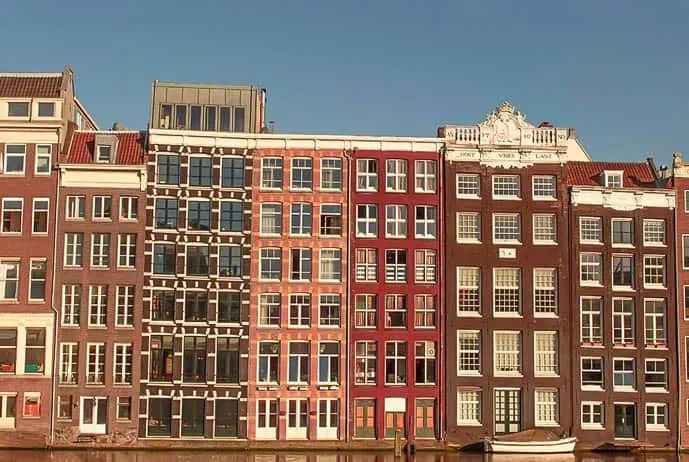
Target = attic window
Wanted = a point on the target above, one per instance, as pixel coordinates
(612, 179)
(103, 153)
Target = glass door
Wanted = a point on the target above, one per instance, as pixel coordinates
(507, 411)
(93, 415)
(625, 421)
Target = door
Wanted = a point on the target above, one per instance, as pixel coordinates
(625, 421)
(507, 411)
(297, 419)
(93, 415)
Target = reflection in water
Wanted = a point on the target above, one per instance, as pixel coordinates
(229, 456)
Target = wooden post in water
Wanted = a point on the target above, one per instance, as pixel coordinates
(398, 443)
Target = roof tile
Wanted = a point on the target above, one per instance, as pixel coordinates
(635, 174)
(130, 148)
(30, 87)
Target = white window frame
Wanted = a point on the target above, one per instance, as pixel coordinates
(469, 343)
(46, 201)
(8, 155)
(612, 232)
(396, 223)
(652, 269)
(333, 256)
(396, 170)
(365, 270)
(469, 279)
(302, 303)
(367, 181)
(4, 278)
(655, 414)
(5, 200)
(587, 408)
(507, 224)
(72, 311)
(468, 224)
(324, 167)
(275, 213)
(129, 293)
(303, 169)
(265, 302)
(69, 363)
(302, 218)
(587, 387)
(32, 279)
(651, 236)
(655, 389)
(425, 272)
(623, 371)
(539, 231)
(586, 225)
(131, 208)
(73, 204)
(425, 182)
(471, 406)
(550, 407)
(369, 223)
(658, 322)
(621, 318)
(509, 355)
(545, 293)
(271, 168)
(126, 242)
(78, 250)
(546, 361)
(396, 272)
(591, 265)
(591, 339)
(101, 199)
(517, 286)
(542, 179)
(632, 267)
(41, 155)
(99, 252)
(122, 359)
(271, 258)
(507, 186)
(100, 291)
(97, 367)
(426, 227)
(467, 180)
(611, 177)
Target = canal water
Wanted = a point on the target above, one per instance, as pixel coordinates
(226, 456)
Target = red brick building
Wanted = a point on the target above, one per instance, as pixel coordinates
(624, 320)
(35, 110)
(98, 286)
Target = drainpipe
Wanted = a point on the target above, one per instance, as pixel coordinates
(678, 319)
(441, 293)
(55, 368)
(348, 158)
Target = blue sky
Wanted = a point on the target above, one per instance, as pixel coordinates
(616, 70)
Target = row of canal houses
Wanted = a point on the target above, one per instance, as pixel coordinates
(208, 282)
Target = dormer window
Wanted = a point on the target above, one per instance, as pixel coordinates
(104, 153)
(612, 179)
(18, 109)
(46, 109)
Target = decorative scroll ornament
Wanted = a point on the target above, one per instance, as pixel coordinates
(505, 122)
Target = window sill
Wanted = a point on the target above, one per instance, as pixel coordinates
(546, 315)
(657, 428)
(507, 315)
(468, 196)
(501, 242)
(506, 198)
(592, 427)
(623, 390)
(544, 199)
(622, 289)
(656, 390)
(508, 374)
(468, 241)
(592, 388)
(592, 345)
(9, 302)
(547, 424)
(424, 191)
(39, 234)
(8, 234)
(469, 374)
(656, 346)
(590, 284)
(622, 246)
(544, 243)
(464, 314)
(590, 243)
(655, 287)
(469, 424)
(546, 375)
(655, 244)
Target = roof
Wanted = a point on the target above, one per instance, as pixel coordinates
(28, 85)
(634, 174)
(130, 147)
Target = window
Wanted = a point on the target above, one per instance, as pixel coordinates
(590, 230)
(232, 172)
(271, 219)
(547, 407)
(197, 260)
(468, 407)
(367, 175)
(46, 109)
(685, 251)
(124, 308)
(199, 215)
(270, 264)
(507, 353)
(37, 279)
(271, 173)
(656, 416)
(159, 417)
(17, 109)
(612, 179)
(266, 417)
(654, 232)
(239, 119)
(8, 350)
(301, 217)
(468, 291)
(654, 322)
(229, 306)
(15, 159)
(164, 259)
(468, 352)
(395, 221)
(545, 291)
(298, 362)
(365, 308)
(229, 261)
(123, 364)
(35, 351)
(73, 249)
(623, 321)
(32, 405)
(168, 169)
(231, 216)
(365, 418)
(166, 213)
(226, 418)
(43, 162)
(655, 378)
(194, 359)
(654, 270)
(95, 366)
(543, 187)
(268, 362)
(544, 229)
(196, 306)
(424, 266)
(590, 269)
(623, 271)
(622, 231)
(269, 310)
(395, 363)
(193, 417)
(468, 186)
(331, 220)
(507, 227)
(124, 408)
(74, 209)
(424, 310)
(468, 227)
(591, 320)
(300, 265)
(302, 173)
(425, 176)
(161, 358)
(396, 175)
(299, 310)
(506, 187)
(329, 362)
(546, 353)
(102, 207)
(71, 304)
(366, 265)
(507, 290)
(395, 311)
(163, 303)
(366, 360)
(366, 220)
(64, 407)
(425, 363)
(592, 414)
(395, 265)
(328, 415)
(426, 222)
(69, 363)
(330, 265)
(331, 174)
(128, 208)
(98, 305)
(12, 215)
(592, 372)
(329, 310)
(100, 250)
(9, 280)
(127, 251)
(225, 114)
(200, 171)
(104, 153)
(623, 373)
